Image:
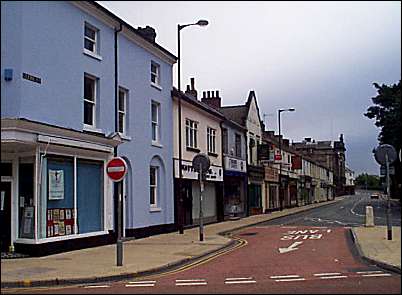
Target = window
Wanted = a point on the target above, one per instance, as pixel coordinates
(90, 38)
(155, 121)
(224, 140)
(89, 100)
(191, 133)
(238, 145)
(211, 134)
(121, 110)
(155, 73)
(153, 186)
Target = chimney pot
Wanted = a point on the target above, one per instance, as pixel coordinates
(192, 83)
(217, 93)
(209, 94)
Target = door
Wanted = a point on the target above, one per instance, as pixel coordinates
(188, 202)
(5, 215)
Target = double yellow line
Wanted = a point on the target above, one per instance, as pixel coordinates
(241, 243)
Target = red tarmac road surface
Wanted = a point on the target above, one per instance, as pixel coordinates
(322, 263)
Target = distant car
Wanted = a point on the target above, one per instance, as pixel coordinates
(375, 196)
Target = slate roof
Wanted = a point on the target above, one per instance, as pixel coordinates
(237, 114)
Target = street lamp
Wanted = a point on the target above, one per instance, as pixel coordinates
(201, 23)
(280, 150)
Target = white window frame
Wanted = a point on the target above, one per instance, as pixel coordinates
(95, 80)
(211, 140)
(155, 123)
(156, 74)
(238, 151)
(122, 112)
(191, 134)
(94, 41)
(154, 186)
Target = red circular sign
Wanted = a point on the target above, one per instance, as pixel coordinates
(116, 169)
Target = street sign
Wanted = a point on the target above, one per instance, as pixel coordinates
(382, 150)
(201, 160)
(383, 171)
(278, 157)
(116, 169)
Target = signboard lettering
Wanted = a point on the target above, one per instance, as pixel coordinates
(31, 78)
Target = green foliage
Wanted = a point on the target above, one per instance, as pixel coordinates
(370, 181)
(387, 113)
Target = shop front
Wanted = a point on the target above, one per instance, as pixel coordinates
(284, 199)
(305, 190)
(56, 195)
(271, 189)
(212, 194)
(235, 187)
(255, 187)
(293, 193)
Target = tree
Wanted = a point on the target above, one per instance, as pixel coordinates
(365, 180)
(387, 113)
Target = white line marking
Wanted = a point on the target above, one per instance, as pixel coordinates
(142, 282)
(191, 280)
(334, 277)
(141, 285)
(235, 279)
(285, 276)
(370, 271)
(191, 284)
(241, 282)
(377, 275)
(98, 286)
(290, 280)
(327, 274)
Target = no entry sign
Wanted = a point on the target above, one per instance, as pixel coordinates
(116, 169)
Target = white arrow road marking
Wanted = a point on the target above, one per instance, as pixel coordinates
(290, 248)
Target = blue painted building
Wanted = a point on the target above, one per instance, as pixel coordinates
(78, 86)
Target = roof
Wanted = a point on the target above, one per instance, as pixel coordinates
(131, 28)
(237, 114)
(192, 100)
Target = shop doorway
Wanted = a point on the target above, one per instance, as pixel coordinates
(187, 202)
(5, 215)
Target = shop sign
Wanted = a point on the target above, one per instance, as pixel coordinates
(234, 164)
(188, 172)
(56, 184)
(271, 174)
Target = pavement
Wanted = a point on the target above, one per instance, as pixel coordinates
(162, 252)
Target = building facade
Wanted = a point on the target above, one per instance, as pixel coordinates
(200, 133)
(74, 100)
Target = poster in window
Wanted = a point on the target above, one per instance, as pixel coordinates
(68, 213)
(55, 215)
(49, 215)
(56, 184)
(27, 222)
(62, 230)
(61, 215)
(56, 229)
(68, 229)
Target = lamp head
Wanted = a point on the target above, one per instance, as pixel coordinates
(291, 109)
(202, 23)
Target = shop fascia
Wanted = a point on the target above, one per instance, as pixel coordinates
(234, 164)
(214, 173)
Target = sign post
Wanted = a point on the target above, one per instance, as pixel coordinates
(385, 154)
(201, 164)
(116, 169)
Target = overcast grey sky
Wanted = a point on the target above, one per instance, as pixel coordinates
(318, 57)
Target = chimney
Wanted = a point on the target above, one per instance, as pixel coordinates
(307, 139)
(191, 90)
(212, 99)
(148, 33)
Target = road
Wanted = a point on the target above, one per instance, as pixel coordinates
(309, 252)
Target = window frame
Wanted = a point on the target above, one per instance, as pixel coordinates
(123, 112)
(191, 133)
(238, 150)
(154, 187)
(94, 41)
(95, 93)
(211, 140)
(156, 74)
(155, 123)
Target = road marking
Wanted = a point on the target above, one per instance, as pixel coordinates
(191, 284)
(241, 282)
(284, 276)
(290, 248)
(235, 279)
(377, 275)
(290, 280)
(370, 271)
(97, 286)
(190, 280)
(334, 277)
(141, 285)
(142, 282)
(327, 274)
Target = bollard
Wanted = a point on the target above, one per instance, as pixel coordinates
(369, 216)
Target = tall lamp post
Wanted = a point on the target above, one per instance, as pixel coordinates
(280, 151)
(201, 23)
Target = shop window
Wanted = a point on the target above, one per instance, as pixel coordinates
(26, 207)
(89, 196)
(6, 169)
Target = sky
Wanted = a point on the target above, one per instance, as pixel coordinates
(319, 57)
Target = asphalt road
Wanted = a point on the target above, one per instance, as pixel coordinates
(309, 252)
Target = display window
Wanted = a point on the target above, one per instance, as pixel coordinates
(26, 207)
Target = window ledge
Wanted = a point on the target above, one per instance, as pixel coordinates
(212, 154)
(157, 144)
(92, 129)
(157, 86)
(191, 149)
(91, 54)
(125, 136)
(155, 209)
